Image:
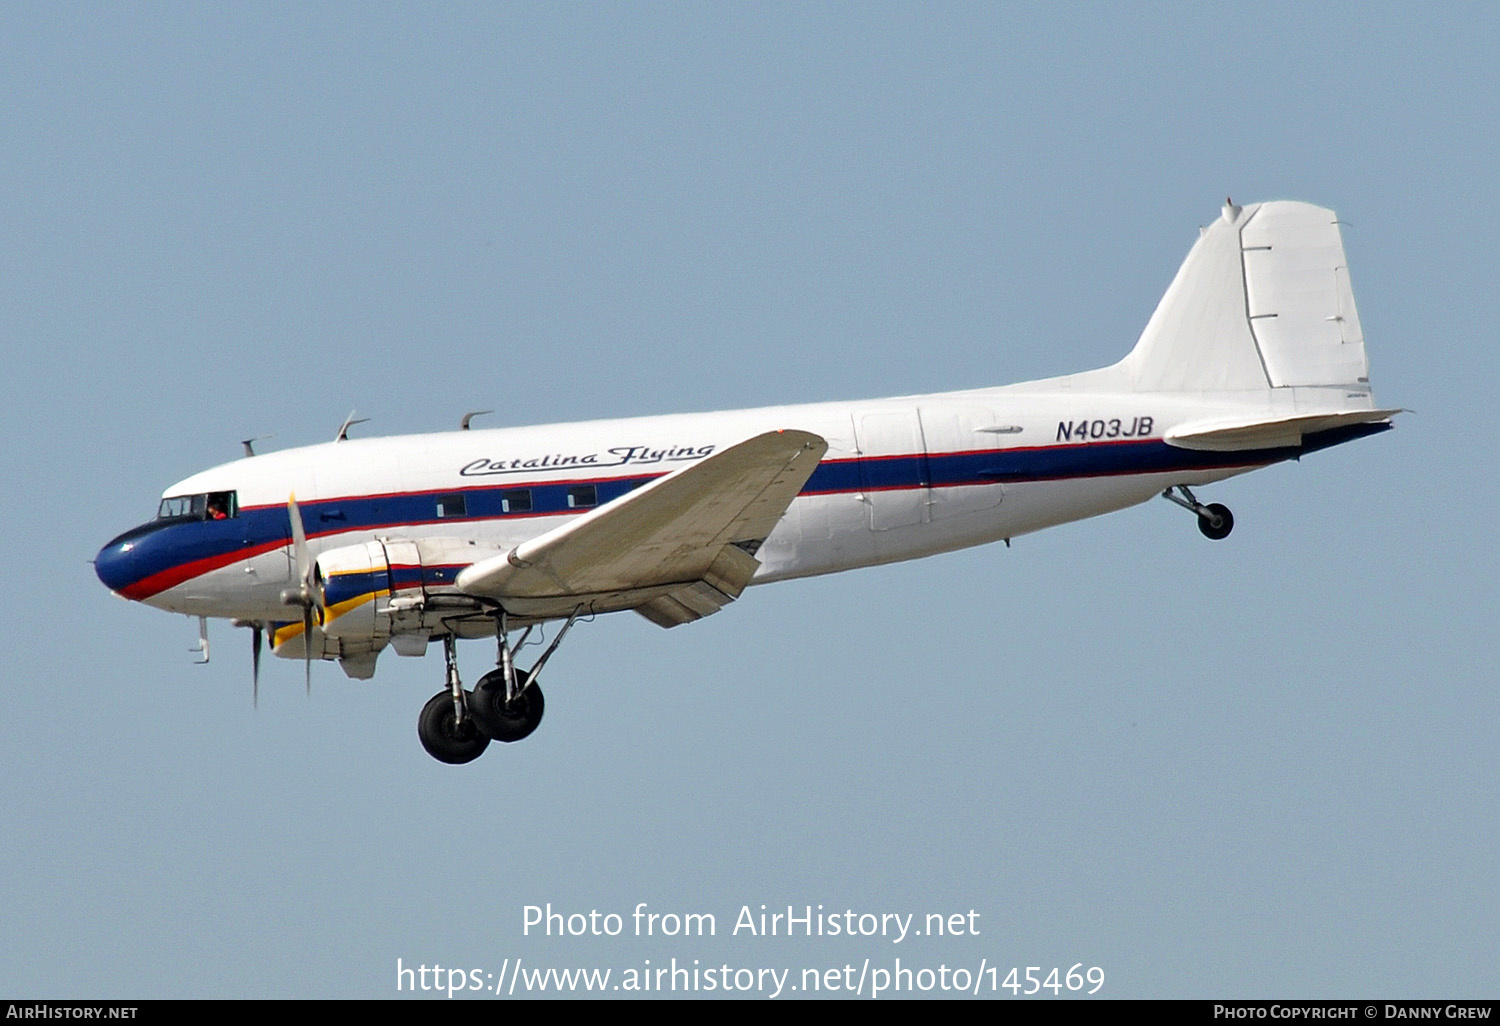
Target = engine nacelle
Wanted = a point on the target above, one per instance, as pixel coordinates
(391, 590)
(395, 591)
(390, 586)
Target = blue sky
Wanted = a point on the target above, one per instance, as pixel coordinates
(1265, 767)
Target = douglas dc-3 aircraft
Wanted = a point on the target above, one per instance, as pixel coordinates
(335, 551)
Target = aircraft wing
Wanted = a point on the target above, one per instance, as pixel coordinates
(676, 549)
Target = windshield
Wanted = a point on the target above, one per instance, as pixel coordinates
(204, 506)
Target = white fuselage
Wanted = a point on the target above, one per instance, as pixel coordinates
(902, 478)
(1254, 355)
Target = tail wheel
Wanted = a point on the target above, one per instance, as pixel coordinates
(1216, 521)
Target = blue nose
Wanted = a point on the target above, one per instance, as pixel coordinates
(120, 564)
(114, 566)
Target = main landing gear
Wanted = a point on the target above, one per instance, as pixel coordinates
(456, 726)
(448, 731)
(1214, 520)
(506, 719)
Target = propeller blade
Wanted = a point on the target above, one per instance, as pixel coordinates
(307, 625)
(255, 664)
(299, 546)
(305, 596)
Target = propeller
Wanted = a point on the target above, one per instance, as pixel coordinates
(304, 594)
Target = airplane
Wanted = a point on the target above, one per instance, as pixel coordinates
(1253, 356)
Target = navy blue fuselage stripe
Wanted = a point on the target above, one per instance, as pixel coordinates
(176, 543)
(355, 584)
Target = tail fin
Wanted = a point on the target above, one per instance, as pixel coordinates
(1262, 301)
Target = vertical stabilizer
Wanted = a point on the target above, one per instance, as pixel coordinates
(1262, 301)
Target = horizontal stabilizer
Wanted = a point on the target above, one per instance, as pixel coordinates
(1235, 434)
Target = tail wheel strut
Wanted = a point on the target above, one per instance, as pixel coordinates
(1214, 519)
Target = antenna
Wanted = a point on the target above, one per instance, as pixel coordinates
(464, 424)
(249, 443)
(202, 647)
(348, 423)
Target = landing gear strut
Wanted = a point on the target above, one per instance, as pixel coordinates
(446, 728)
(506, 705)
(507, 702)
(1214, 520)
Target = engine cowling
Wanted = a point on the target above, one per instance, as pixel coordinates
(349, 586)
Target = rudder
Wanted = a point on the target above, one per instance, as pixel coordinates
(1262, 301)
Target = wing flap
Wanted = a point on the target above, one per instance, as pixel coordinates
(695, 526)
(721, 585)
(693, 602)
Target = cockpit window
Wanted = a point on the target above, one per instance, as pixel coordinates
(204, 506)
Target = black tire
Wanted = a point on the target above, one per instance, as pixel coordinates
(1225, 525)
(446, 740)
(502, 722)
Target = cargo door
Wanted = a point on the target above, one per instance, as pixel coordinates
(893, 471)
(962, 460)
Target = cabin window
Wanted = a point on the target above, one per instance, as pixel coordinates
(203, 506)
(451, 506)
(517, 500)
(582, 496)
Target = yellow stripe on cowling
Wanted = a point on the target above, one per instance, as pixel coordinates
(282, 635)
(338, 609)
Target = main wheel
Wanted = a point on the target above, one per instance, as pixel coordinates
(1220, 512)
(445, 739)
(502, 721)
